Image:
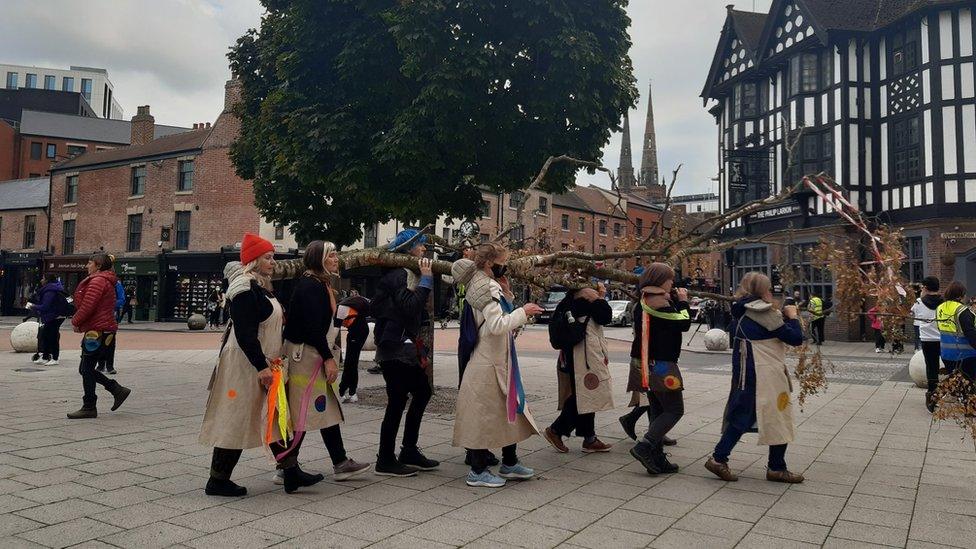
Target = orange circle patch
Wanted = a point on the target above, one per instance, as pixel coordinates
(672, 382)
(232, 394)
(783, 401)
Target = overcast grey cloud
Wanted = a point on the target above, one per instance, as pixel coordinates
(171, 54)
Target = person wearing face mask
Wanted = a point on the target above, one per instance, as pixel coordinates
(400, 308)
(491, 407)
(310, 347)
(659, 320)
(761, 387)
(234, 418)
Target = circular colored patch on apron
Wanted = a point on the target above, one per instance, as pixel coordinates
(672, 382)
(320, 403)
(231, 394)
(783, 401)
(591, 381)
(660, 368)
(91, 341)
(109, 338)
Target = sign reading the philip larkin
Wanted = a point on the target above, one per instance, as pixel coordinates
(959, 236)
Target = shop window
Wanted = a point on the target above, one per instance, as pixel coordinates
(71, 189)
(185, 183)
(182, 230)
(748, 260)
(134, 243)
(68, 237)
(30, 230)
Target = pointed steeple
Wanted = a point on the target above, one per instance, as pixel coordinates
(648, 171)
(625, 172)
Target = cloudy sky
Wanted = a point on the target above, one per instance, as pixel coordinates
(171, 55)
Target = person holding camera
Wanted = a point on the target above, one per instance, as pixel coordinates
(760, 394)
(662, 318)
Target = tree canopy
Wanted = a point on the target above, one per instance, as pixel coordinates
(361, 111)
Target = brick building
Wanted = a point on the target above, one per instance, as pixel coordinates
(23, 236)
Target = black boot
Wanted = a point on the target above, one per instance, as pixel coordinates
(930, 403)
(226, 488)
(295, 478)
(120, 393)
(644, 453)
(87, 411)
(629, 422)
(668, 441)
(390, 467)
(414, 458)
(661, 460)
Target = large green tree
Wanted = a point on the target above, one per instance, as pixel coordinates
(360, 111)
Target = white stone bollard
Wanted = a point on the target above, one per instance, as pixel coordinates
(716, 340)
(370, 344)
(23, 338)
(916, 369)
(196, 322)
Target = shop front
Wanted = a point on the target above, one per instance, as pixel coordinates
(70, 269)
(140, 278)
(188, 280)
(20, 275)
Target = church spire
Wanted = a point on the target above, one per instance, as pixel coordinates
(648, 171)
(625, 172)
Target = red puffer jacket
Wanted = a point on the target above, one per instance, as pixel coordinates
(95, 303)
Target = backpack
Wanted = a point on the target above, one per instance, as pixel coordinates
(64, 304)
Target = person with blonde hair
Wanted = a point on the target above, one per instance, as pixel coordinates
(234, 417)
(760, 394)
(491, 407)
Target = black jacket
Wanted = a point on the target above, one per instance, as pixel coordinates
(564, 336)
(399, 312)
(248, 310)
(310, 316)
(665, 340)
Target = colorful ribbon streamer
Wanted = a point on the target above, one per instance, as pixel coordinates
(515, 402)
(277, 402)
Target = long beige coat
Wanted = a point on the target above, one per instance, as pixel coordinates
(591, 374)
(235, 415)
(482, 418)
(322, 408)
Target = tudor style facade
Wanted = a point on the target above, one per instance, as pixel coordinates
(880, 95)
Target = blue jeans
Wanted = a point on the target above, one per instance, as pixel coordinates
(731, 436)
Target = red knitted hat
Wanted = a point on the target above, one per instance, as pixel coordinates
(254, 247)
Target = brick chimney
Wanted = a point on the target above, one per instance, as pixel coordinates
(232, 94)
(143, 127)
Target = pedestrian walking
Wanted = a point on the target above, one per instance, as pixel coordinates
(760, 394)
(924, 312)
(491, 408)
(583, 369)
(353, 313)
(954, 347)
(235, 416)
(215, 307)
(130, 302)
(400, 309)
(816, 308)
(52, 309)
(106, 364)
(663, 317)
(876, 325)
(95, 299)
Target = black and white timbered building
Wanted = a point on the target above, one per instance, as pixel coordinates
(881, 95)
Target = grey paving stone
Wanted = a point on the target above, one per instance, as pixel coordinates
(633, 521)
(591, 503)
(214, 519)
(11, 524)
(613, 490)
(713, 526)
(412, 510)
(485, 513)
(370, 526)
(125, 496)
(876, 517)
(153, 535)
(815, 508)
(870, 533)
(597, 536)
(323, 538)
(753, 540)
(659, 506)
(792, 529)
(136, 515)
(561, 517)
(881, 503)
(841, 543)
(449, 530)
(382, 494)
(69, 533)
(943, 528)
(339, 507)
(57, 492)
(403, 541)
(675, 538)
(522, 533)
(239, 537)
(62, 511)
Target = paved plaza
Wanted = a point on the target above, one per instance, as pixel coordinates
(879, 472)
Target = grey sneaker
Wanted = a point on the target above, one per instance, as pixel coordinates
(350, 468)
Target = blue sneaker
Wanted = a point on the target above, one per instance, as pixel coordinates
(485, 479)
(517, 471)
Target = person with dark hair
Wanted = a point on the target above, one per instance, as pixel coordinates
(662, 318)
(400, 309)
(95, 318)
(924, 312)
(50, 308)
(759, 400)
(310, 346)
(954, 347)
(353, 313)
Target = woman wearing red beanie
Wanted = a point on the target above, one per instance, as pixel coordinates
(234, 417)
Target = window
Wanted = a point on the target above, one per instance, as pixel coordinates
(517, 237)
(515, 199)
(68, 84)
(811, 72)
(812, 278)
(36, 150)
(68, 237)
(52, 151)
(603, 249)
(603, 226)
(138, 184)
(75, 150)
(182, 230)
(564, 246)
(565, 222)
(71, 189)
(30, 230)
(279, 232)
(446, 234)
(748, 260)
(746, 100)
(581, 225)
(906, 152)
(817, 153)
(49, 84)
(134, 243)
(11, 81)
(485, 208)
(617, 230)
(31, 81)
(914, 266)
(369, 235)
(86, 89)
(186, 176)
(543, 205)
(903, 51)
(640, 226)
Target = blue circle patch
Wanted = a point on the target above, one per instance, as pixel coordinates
(660, 368)
(320, 403)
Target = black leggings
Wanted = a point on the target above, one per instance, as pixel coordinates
(570, 420)
(50, 338)
(223, 462)
(350, 366)
(817, 330)
(479, 458)
(331, 436)
(402, 380)
(931, 350)
(667, 407)
(89, 359)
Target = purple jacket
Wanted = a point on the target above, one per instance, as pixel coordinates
(46, 301)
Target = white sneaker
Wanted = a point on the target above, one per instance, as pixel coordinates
(51, 362)
(353, 399)
(38, 360)
(878, 350)
(279, 477)
(344, 398)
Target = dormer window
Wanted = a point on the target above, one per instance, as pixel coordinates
(745, 100)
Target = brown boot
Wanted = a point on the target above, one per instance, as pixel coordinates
(783, 476)
(555, 440)
(721, 470)
(596, 446)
